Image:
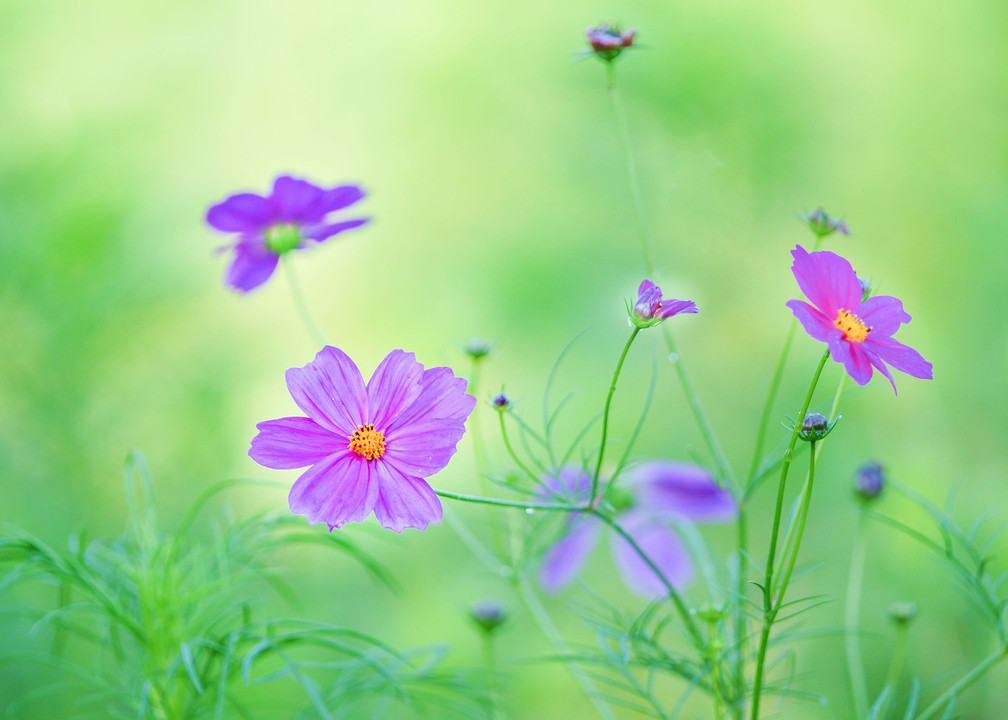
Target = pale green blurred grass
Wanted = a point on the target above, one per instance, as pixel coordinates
(501, 211)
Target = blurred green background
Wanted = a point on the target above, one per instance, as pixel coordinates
(501, 211)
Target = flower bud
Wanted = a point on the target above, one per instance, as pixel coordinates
(488, 614)
(502, 402)
(902, 613)
(822, 224)
(869, 480)
(608, 42)
(478, 348)
(865, 288)
(815, 427)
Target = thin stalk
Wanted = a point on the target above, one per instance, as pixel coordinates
(895, 667)
(852, 612)
(713, 446)
(605, 416)
(742, 537)
(567, 507)
(479, 452)
(299, 301)
(673, 594)
(964, 682)
(802, 518)
(768, 610)
(513, 454)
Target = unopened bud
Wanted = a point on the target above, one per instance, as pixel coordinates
(869, 480)
(902, 613)
(488, 614)
(478, 348)
(502, 402)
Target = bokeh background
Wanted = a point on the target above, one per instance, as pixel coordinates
(500, 208)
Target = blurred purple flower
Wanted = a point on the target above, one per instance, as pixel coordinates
(859, 334)
(664, 494)
(608, 42)
(650, 309)
(369, 447)
(267, 227)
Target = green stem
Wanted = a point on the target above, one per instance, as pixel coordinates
(855, 664)
(631, 170)
(742, 537)
(568, 507)
(479, 452)
(714, 447)
(802, 518)
(514, 456)
(299, 301)
(768, 408)
(545, 623)
(673, 594)
(605, 416)
(895, 668)
(964, 682)
(768, 610)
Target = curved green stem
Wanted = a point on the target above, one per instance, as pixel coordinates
(964, 682)
(605, 416)
(299, 301)
(673, 594)
(510, 503)
(855, 664)
(514, 456)
(769, 613)
(802, 517)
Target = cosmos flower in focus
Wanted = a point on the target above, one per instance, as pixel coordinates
(858, 334)
(662, 495)
(267, 227)
(651, 309)
(369, 447)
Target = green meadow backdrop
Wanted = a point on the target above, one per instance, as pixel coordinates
(496, 183)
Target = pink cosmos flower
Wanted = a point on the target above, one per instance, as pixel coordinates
(295, 212)
(664, 495)
(858, 333)
(369, 446)
(651, 309)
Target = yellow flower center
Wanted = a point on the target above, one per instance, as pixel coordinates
(368, 442)
(851, 326)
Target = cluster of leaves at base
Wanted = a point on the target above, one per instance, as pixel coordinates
(167, 624)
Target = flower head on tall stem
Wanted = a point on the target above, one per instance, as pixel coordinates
(607, 42)
(858, 332)
(822, 225)
(660, 496)
(651, 308)
(295, 212)
(370, 447)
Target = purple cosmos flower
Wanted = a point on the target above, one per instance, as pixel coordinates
(608, 42)
(267, 227)
(369, 447)
(663, 494)
(650, 309)
(859, 334)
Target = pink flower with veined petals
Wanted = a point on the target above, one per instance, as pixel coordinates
(858, 333)
(369, 446)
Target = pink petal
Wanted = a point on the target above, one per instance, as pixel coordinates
(293, 442)
(245, 212)
(252, 265)
(661, 544)
(404, 501)
(883, 314)
(394, 385)
(566, 557)
(291, 197)
(442, 396)
(827, 280)
(854, 359)
(330, 390)
(677, 307)
(815, 323)
(424, 448)
(683, 490)
(324, 232)
(340, 489)
(900, 356)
